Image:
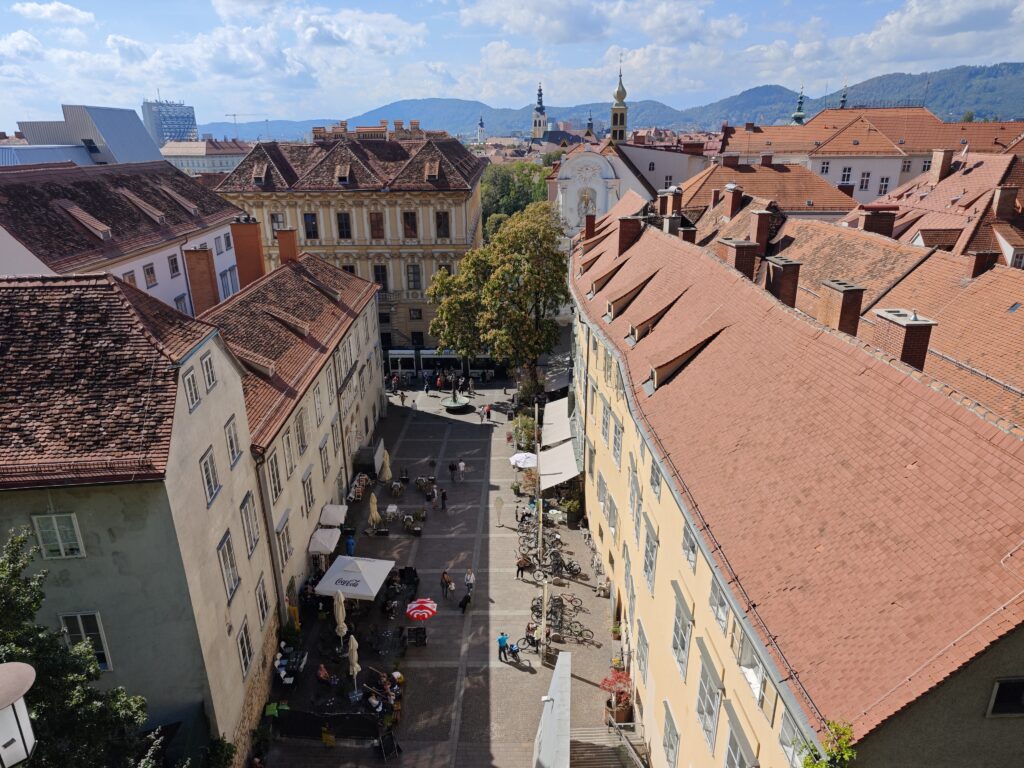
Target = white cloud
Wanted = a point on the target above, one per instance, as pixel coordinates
(55, 12)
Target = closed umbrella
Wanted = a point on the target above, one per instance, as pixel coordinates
(339, 612)
(353, 660)
(385, 469)
(375, 520)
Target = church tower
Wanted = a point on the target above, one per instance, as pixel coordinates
(619, 110)
(540, 121)
(480, 136)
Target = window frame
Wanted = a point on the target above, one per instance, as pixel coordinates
(56, 532)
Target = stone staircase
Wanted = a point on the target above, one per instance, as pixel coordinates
(602, 747)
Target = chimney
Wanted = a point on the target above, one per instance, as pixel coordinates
(287, 246)
(201, 274)
(716, 197)
(846, 189)
(941, 160)
(245, 233)
(734, 198)
(1004, 203)
(766, 159)
(730, 161)
(688, 234)
(903, 334)
(839, 306)
(589, 225)
(741, 255)
(783, 278)
(980, 262)
(759, 221)
(879, 222)
(630, 228)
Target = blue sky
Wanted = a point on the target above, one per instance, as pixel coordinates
(307, 59)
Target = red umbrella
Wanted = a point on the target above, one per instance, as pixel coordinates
(422, 609)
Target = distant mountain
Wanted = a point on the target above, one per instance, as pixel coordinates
(993, 93)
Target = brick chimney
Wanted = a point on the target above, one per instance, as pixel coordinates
(741, 255)
(941, 160)
(759, 221)
(688, 234)
(980, 262)
(630, 228)
(734, 199)
(766, 159)
(201, 274)
(589, 222)
(245, 233)
(839, 306)
(287, 246)
(782, 279)
(1004, 203)
(730, 161)
(716, 197)
(879, 222)
(903, 334)
(846, 189)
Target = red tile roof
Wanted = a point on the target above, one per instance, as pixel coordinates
(33, 209)
(262, 326)
(89, 380)
(790, 186)
(835, 481)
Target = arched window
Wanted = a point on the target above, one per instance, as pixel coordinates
(650, 167)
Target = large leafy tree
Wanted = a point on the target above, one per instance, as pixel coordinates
(74, 722)
(506, 294)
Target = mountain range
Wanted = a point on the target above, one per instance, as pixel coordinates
(993, 92)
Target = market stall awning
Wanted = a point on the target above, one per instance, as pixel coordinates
(556, 423)
(323, 541)
(360, 578)
(333, 514)
(557, 465)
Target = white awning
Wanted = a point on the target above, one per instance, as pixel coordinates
(360, 578)
(323, 541)
(333, 514)
(557, 465)
(556, 423)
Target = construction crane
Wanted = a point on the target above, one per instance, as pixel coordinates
(235, 115)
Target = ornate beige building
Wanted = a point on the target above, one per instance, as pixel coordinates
(392, 206)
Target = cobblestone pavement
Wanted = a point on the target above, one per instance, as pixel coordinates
(463, 707)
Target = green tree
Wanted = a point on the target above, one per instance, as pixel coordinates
(494, 222)
(506, 294)
(74, 722)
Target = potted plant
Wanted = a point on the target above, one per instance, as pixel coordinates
(619, 686)
(616, 632)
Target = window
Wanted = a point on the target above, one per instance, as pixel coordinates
(905, 168)
(380, 275)
(824, 168)
(789, 738)
(650, 555)
(336, 434)
(846, 175)
(690, 547)
(606, 415)
(883, 185)
(1007, 698)
(245, 647)
(129, 277)
(181, 304)
(650, 167)
(670, 741)
(443, 224)
(310, 226)
(250, 524)
(709, 697)
(59, 536)
(173, 266)
(926, 165)
(318, 405)
(415, 314)
(412, 277)
(284, 542)
(300, 431)
(274, 471)
(617, 443)
(377, 225)
(227, 241)
(655, 479)
(409, 225)
(209, 471)
(682, 628)
(289, 458)
(277, 222)
(719, 606)
(736, 755)
(262, 604)
(417, 338)
(865, 179)
(229, 281)
(149, 273)
(218, 244)
(228, 569)
(641, 651)
(87, 626)
(209, 374)
(325, 462)
(231, 435)
(344, 226)
(307, 489)
(668, 182)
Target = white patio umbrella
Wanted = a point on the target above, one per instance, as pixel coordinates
(339, 612)
(374, 520)
(353, 661)
(385, 469)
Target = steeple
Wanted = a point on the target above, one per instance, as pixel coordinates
(798, 116)
(619, 110)
(539, 121)
(842, 100)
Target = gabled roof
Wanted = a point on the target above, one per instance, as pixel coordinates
(790, 186)
(90, 370)
(282, 327)
(34, 210)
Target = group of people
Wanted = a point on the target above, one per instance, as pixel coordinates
(448, 587)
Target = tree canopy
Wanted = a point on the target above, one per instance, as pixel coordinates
(74, 722)
(506, 294)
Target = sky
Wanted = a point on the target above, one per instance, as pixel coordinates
(299, 59)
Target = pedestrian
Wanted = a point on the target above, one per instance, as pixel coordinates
(447, 585)
(462, 469)
(522, 563)
(503, 647)
(452, 468)
(487, 411)
(401, 397)
(470, 581)
(444, 500)
(464, 602)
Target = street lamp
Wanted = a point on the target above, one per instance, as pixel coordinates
(17, 741)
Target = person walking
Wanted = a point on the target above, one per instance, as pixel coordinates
(447, 585)
(470, 580)
(522, 563)
(503, 647)
(452, 469)
(444, 500)
(462, 469)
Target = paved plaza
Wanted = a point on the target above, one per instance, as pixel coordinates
(463, 707)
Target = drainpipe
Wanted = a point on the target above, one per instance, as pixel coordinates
(268, 518)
